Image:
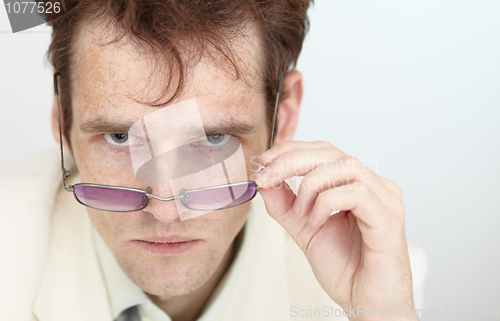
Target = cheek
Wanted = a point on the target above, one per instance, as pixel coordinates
(234, 219)
(98, 165)
(112, 227)
(104, 222)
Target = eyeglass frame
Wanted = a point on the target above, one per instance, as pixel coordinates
(148, 191)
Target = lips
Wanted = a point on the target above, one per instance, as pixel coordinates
(167, 245)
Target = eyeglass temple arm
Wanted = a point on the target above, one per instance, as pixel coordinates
(278, 91)
(65, 173)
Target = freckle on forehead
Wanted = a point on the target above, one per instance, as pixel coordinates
(108, 75)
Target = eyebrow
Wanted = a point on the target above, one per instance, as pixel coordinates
(102, 125)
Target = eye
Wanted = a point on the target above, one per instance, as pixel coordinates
(117, 139)
(216, 140)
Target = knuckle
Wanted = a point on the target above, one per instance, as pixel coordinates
(282, 147)
(399, 191)
(360, 184)
(322, 199)
(322, 144)
(292, 143)
(396, 224)
(362, 189)
(397, 210)
(285, 156)
(292, 162)
(307, 186)
(394, 188)
(400, 209)
(349, 159)
(331, 152)
(351, 163)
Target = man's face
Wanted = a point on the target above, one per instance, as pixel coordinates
(110, 84)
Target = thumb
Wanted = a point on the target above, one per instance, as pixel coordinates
(279, 202)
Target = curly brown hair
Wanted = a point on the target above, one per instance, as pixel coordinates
(161, 25)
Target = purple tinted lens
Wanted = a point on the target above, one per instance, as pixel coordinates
(219, 198)
(107, 199)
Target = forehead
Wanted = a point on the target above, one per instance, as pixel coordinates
(109, 78)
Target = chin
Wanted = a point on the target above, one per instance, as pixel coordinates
(171, 276)
(173, 286)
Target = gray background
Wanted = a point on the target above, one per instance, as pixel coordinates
(411, 88)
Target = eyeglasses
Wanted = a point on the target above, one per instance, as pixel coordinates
(125, 199)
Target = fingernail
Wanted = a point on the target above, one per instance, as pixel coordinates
(263, 175)
(268, 156)
(296, 207)
(311, 218)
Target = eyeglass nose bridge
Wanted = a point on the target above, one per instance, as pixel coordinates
(149, 194)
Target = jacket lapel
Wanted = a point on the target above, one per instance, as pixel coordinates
(261, 290)
(72, 287)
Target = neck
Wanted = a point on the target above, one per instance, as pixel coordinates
(188, 307)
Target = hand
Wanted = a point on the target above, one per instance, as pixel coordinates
(360, 255)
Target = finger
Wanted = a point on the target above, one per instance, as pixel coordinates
(393, 187)
(319, 180)
(281, 148)
(297, 162)
(330, 175)
(279, 201)
(362, 203)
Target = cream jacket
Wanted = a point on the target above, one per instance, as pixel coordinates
(49, 270)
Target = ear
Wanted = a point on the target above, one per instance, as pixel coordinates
(288, 111)
(55, 123)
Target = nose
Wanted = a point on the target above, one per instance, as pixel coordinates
(164, 211)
